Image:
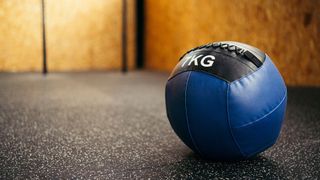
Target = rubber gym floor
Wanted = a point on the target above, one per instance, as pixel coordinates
(114, 126)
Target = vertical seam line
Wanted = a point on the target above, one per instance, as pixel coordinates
(187, 119)
(228, 119)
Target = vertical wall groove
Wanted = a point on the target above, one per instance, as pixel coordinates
(44, 44)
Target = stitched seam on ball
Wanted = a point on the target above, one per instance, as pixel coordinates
(230, 82)
(187, 119)
(207, 73)
(228, 121)
(207, 49)
(265, 115)
(250, 74)
(237, 59)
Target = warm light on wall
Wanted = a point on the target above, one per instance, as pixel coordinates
(84, 35)
(20, 40)
(289, 31)
(81, 35)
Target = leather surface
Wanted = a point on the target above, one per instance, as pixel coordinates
(259, 135)
(253, 96)
(227, 60)
(227, 120)
(207, 116)
(256, 107)
(175, 106)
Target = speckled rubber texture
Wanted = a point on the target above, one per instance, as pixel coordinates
(114, 126)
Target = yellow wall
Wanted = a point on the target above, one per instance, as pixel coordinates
(20, 35)
(289, 31)
(81, 35)
(86, 35)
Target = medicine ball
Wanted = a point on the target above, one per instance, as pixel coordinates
(226, 100)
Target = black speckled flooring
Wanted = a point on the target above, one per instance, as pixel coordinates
(114, 126)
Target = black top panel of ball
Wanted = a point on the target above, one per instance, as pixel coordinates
(228, 60)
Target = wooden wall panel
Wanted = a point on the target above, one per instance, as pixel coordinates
(81, 35)
(131, 34)
(20, 35)
(289, 31)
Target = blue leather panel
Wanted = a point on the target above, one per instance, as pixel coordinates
(255, 95)
(175, 104)
(207, 115)
(256, 103)
(222, 120)
(257, 136)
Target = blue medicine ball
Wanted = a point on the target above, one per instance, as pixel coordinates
(226, 100)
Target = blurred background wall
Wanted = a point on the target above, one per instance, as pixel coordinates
(288, 31)
(86, 35)
(20, 35)
(81, 35)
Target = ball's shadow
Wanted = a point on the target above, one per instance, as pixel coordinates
(256, 167)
